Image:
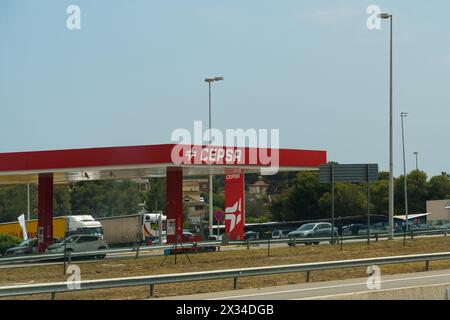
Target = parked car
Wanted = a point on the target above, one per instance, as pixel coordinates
(426, 226)
(251, 235)
(444, 226)
(345, 230)
(280, 234)
(355, 227)
(26, 247)
(313, 230)
(80, 243)
(190, 237)
(215, 237)
(420, 227)
(379, 227)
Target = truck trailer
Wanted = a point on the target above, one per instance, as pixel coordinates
(133, 229)
(62, 226)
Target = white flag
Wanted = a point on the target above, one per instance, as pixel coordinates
(23, 225)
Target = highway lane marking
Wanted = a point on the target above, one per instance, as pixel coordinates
(369, 291)
(326, 287)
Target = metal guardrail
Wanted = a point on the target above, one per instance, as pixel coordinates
(140, 249)
(57, 287)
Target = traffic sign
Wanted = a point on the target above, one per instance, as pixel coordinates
(218, 215)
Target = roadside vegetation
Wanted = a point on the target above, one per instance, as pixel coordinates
(7, 241)
(290, 197)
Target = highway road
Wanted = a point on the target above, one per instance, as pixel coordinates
(348, 289)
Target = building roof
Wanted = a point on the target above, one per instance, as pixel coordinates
(411, 216)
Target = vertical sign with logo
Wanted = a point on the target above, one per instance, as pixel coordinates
(23, 225)
(234, 205)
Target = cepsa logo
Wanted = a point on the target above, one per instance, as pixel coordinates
(187, 154)
(235, 176)
(242, 147)
(214, 155)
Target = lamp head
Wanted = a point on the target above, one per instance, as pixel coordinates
(209, 80)
(384, 15)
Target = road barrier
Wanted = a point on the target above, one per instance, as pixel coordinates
(152, 280)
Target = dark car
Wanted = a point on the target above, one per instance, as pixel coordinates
(444, 226)
(26, 247)
(251, 235)
(425, 226)
(355, 227)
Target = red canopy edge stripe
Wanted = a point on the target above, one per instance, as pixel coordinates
(130, 155)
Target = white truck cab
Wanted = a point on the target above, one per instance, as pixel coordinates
(84, 224)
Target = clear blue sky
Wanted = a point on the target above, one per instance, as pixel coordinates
(135, 71)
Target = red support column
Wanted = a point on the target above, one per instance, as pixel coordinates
(45, 211)
(234, 205)
(174, 204)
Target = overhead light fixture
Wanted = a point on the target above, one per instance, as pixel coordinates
(384, 15)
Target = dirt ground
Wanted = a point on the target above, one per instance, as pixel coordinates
(226, 260)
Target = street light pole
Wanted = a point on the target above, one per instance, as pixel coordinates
(210, 218)
(391, 133)
(417, 160)
(28, 201)
(404, 115)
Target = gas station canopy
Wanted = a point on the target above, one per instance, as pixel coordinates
(173, 161)
(72, 165)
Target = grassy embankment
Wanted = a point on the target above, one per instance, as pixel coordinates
(225, 260)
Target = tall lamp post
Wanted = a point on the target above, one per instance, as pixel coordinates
(417, 160)
(391, 132)
(210, 224)
(404, 115)
(28, 201)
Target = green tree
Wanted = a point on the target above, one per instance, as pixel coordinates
(255, 207)
(155, 198)
(281, 182)
(13, 201)
(350, 199)
(417, 192)
(301, 200)
(218, 202)
(61, 200)
(439, 187)
(379, 197)
(106, 198)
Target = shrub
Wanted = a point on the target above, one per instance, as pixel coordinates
(7, 241)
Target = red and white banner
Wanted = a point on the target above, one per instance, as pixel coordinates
(234, 206)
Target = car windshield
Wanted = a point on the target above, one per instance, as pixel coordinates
(69, 240)
(308, 226)
(91, 231)
(25, 243)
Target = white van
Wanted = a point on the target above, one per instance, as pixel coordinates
(280, 234)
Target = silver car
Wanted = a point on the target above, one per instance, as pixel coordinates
(26, 247)
(80, 243)
(313, 230)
